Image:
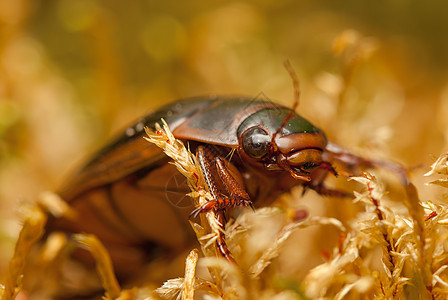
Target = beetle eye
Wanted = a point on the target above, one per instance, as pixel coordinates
(256, 142)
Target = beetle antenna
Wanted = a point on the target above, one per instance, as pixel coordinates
(295, 83)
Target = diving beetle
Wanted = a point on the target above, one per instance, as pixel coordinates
(121, 194)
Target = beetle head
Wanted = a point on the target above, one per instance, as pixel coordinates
(278, 139)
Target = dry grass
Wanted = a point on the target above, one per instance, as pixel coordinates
(411, 236)
(32, 230)
(391, 250)
(372, 97)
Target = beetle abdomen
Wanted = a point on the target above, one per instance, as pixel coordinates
(138, 218)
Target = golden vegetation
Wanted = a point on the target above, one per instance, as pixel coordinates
(71, 72)
(390, 250)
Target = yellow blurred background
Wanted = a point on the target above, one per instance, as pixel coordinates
(373, 76)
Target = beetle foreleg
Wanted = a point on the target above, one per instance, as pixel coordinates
(219, 202)
(237, 193)
(207, 170)
(317, 184)
(206, 167)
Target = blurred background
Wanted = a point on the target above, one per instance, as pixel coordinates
(373, 76)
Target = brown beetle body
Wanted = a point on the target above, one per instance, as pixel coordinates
(133, 200)
(121, 195)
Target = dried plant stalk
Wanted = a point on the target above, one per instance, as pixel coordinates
(412, 236)
(103, 264)
(187, 164)
(413, 250)
(172, 288)
(273, 252)
(236, 288)
(55, 205)
(418, 217)
(32, 230)
(384, 230)
(190, 270)
(440, 166)
(184, 288)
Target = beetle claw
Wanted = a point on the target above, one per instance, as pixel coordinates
(206, 207)
(326, 165)
(251, 205)
(221, 204)
(304, 190)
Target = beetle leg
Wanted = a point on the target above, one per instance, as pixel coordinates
(353, 162)
(204, 208)
(221, 244)
(210, 180)
(316, 183)
(207, 169)
(217, 203)
(321, 189)
(238, 196)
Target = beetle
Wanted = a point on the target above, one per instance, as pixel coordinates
(121, 194)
